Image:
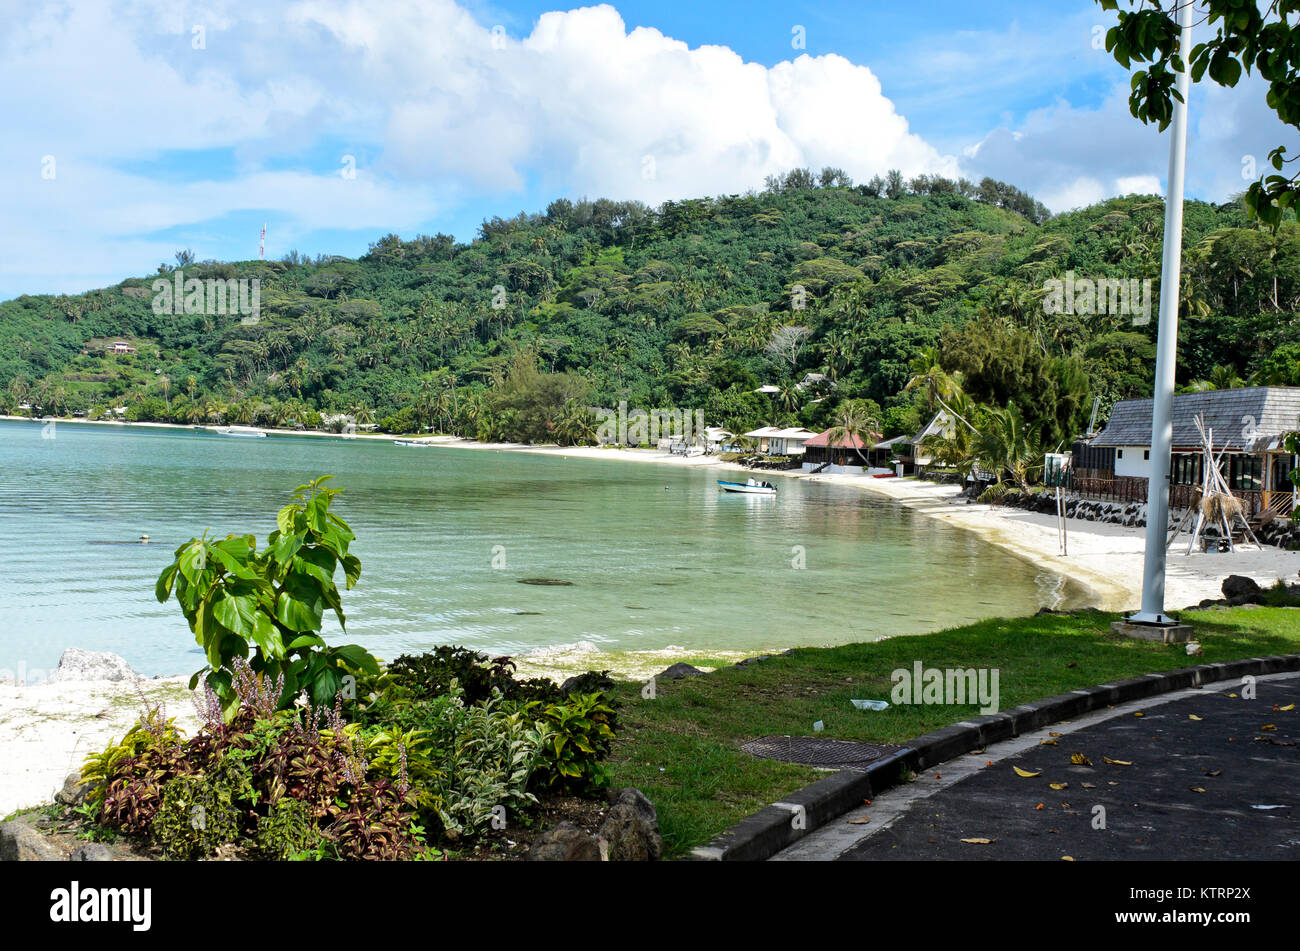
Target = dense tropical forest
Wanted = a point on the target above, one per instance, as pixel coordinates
(895, 295)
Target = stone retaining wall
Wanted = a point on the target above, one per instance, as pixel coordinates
(1280, 532)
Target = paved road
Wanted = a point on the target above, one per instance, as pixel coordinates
(1189, 794)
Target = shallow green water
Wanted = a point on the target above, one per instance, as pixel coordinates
(657, 556)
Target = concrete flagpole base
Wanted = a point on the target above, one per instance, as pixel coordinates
(1172, 632)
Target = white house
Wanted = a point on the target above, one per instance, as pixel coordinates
(781, 442)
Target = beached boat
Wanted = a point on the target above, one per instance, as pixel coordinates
(418, 443)
(748, 487)
(246, 433)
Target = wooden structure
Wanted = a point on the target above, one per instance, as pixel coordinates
(1217, 505)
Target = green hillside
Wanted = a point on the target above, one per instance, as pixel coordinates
(594, 302)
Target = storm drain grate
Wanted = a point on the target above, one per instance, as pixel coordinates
(814, 751)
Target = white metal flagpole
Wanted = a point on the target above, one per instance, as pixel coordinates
(1153, 575)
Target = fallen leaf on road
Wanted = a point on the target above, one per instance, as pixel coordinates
(1048, 743)
(979, 841)
(859, 822)
(1067, 858)
(1288, 707)
(1269, 726)
(1038, 807)
(1196, 789)
(1050, 733)
(1111, 782)
(1059, 785)
(1025, 773)
(1139, 714)
(1116, 762)
(1088, 785)
(1213, 772)
(1192, 716)
(1078, 759)
(1233, 695)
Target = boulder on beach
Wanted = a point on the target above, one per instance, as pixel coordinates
(77, 664)
(678, 671)
(1239, 586)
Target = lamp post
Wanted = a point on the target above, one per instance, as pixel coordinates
(1153, 574)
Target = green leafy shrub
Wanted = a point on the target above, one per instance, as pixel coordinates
(200, 812)
(289, 783)
(493, 752)
(431, 675)
(581, 729)
(268, 606)
(287, 831)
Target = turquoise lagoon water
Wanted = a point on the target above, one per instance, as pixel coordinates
(656, 555)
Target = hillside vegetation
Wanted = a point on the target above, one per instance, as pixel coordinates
(693, 305)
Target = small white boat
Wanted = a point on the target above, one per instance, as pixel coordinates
(245, 433)
(416, 443)
(748, 487)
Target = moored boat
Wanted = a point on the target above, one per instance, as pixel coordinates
(245, 433)
(748, 487)
(418, 443)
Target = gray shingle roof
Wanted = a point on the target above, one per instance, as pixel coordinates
(1235, 416)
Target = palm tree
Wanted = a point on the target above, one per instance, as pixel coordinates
(854, 425)
(1009, 449)
(940, 387)
(575, 424)
(788, 397)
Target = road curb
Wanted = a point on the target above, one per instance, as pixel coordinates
(775, 827)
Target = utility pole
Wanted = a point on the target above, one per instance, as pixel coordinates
(1151, 622)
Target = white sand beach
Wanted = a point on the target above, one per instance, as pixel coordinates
(48, 729)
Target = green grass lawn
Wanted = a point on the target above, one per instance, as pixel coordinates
(681, 748)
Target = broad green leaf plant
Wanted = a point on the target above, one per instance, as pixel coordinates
(268, 606)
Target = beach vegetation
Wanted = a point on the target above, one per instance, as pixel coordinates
(310, 753)
(268, 606)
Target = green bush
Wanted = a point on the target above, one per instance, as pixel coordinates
(287, 832)
(199, 812)
(268, 607)
(581, 729)
(431, 675)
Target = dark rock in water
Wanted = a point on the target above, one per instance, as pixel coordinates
(565, 843)
(552, 581)
(91, 852)
(631, 828)
(525, 613)
(678, 671)
(78, 664)
(1236, 586)
(19, 842)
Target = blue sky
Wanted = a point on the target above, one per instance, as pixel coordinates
(136, 128)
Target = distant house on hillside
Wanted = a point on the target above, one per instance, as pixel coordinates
(1249, 423)
(121, 347)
